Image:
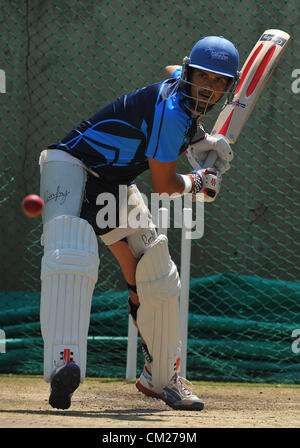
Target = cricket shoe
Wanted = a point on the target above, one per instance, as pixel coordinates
(176, 394)
(63, 384)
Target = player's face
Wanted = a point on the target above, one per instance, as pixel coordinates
(207, 88)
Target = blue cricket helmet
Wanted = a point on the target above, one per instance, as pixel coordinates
(215, 54)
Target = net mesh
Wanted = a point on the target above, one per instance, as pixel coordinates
(64, 61)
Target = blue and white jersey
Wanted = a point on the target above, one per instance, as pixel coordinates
(177, 72)
(118, 139)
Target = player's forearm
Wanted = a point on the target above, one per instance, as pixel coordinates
(178, 184)
(164, 178)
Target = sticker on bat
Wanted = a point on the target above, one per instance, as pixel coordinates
(272, 38)
(238, 104)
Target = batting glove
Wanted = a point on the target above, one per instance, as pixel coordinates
(206, 184)
(199, 153)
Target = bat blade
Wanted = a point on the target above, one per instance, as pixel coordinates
(255, 73)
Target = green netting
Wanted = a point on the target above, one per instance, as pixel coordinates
(63, 61)
(229, 340)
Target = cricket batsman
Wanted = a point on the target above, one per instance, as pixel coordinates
(145, 129)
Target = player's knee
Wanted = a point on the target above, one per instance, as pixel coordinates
(156, 273)
(70, 247)
(133, 308)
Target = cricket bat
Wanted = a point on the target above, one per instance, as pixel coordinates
(255, 73)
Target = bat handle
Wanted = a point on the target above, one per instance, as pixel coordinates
(210, 159)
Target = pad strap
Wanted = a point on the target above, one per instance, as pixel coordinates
(132, 308)
(131, 287)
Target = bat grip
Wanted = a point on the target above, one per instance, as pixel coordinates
(210, 159)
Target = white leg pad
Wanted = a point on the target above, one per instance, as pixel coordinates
(69, 274)
(158, 288)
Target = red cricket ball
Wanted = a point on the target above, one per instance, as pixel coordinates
(33, 205)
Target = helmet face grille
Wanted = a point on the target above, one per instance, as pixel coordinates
(202, 103)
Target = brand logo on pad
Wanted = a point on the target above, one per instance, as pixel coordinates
(59, 195)
(67, 355)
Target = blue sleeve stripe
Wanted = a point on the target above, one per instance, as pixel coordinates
(75, 139)
(159, 131)
(160, 91)
(100, 144)
(110, 153)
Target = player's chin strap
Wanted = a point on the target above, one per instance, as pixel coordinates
(132, 307)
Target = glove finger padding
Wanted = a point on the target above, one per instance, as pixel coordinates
(198, 152)
(222, 147)
(193, 162)
(221, 166)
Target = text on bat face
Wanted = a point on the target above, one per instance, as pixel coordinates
(272, 38)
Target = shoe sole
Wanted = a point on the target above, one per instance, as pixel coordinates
(190, 407)
(146, 391)
(63, 385)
